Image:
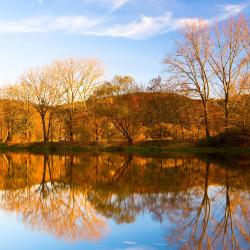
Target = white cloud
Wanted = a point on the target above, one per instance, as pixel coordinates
(112, 5)
(144, 27)
(23, 26)
(230, 10)
(129, 242)
(182, 22)
(119, 3)
(46, 24)
(72, 23)
(225, 11)
(150, 26)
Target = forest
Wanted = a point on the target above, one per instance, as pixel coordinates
(203, 96)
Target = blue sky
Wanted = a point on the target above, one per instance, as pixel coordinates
(129, 36)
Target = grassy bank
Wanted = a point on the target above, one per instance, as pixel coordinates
(45, 147)
(192, 150)
(143, 149)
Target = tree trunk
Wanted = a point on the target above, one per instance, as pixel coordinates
(162, 135)
(206, 119)
(1, 124)
(182, 133)
(50, 128)
(226, 122)
(7, 137)
(51, 132)
(45, 138)
(27, 135)
(129, 139)
(71, 121)
(70, 128)
(96, 134)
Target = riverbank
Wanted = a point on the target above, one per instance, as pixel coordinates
(143, 149)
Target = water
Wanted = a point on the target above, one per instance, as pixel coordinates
(118, 201)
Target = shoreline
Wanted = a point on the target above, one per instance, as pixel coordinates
(55, 147)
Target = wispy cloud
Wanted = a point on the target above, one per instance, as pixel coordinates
(142, 28)
(129, 242)
(146, 26)
(77, 24)
(112, 5)
(149, 26)
(23, 26)
(227, 10)
(224, 12)
(72, 23)
(118, 3)
(182, 22)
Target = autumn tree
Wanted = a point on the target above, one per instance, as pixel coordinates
(21, 95)
(118, 102)
(77, 79)
(156, 85)
(10, 118)
(162, 112)
(45, 95)
(242, 111)
(189, 65)
(229, 62)
(96, 126)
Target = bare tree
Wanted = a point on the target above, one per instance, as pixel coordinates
(45, 95)
(10, 118)
(189, 64)
(21, 94)
(230, 62)
(117, 101)
(77, 79)
(156, 85)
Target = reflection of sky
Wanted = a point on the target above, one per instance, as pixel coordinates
(144, 234)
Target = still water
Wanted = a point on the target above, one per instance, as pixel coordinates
(118, 201)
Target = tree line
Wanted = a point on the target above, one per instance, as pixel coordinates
(205, 91)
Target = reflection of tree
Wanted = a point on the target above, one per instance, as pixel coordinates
(233, 227)
(122, 172)
(195, 220)
(69, 195)
(203, 214)
(46, 186)
(63, 211)
(220, 220)
(122, 208)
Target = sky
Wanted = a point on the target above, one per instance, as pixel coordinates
(130, 37)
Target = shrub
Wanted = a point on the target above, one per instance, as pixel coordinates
(231, 136)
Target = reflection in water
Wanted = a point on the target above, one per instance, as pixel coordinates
(203, 202)
(36, 188)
